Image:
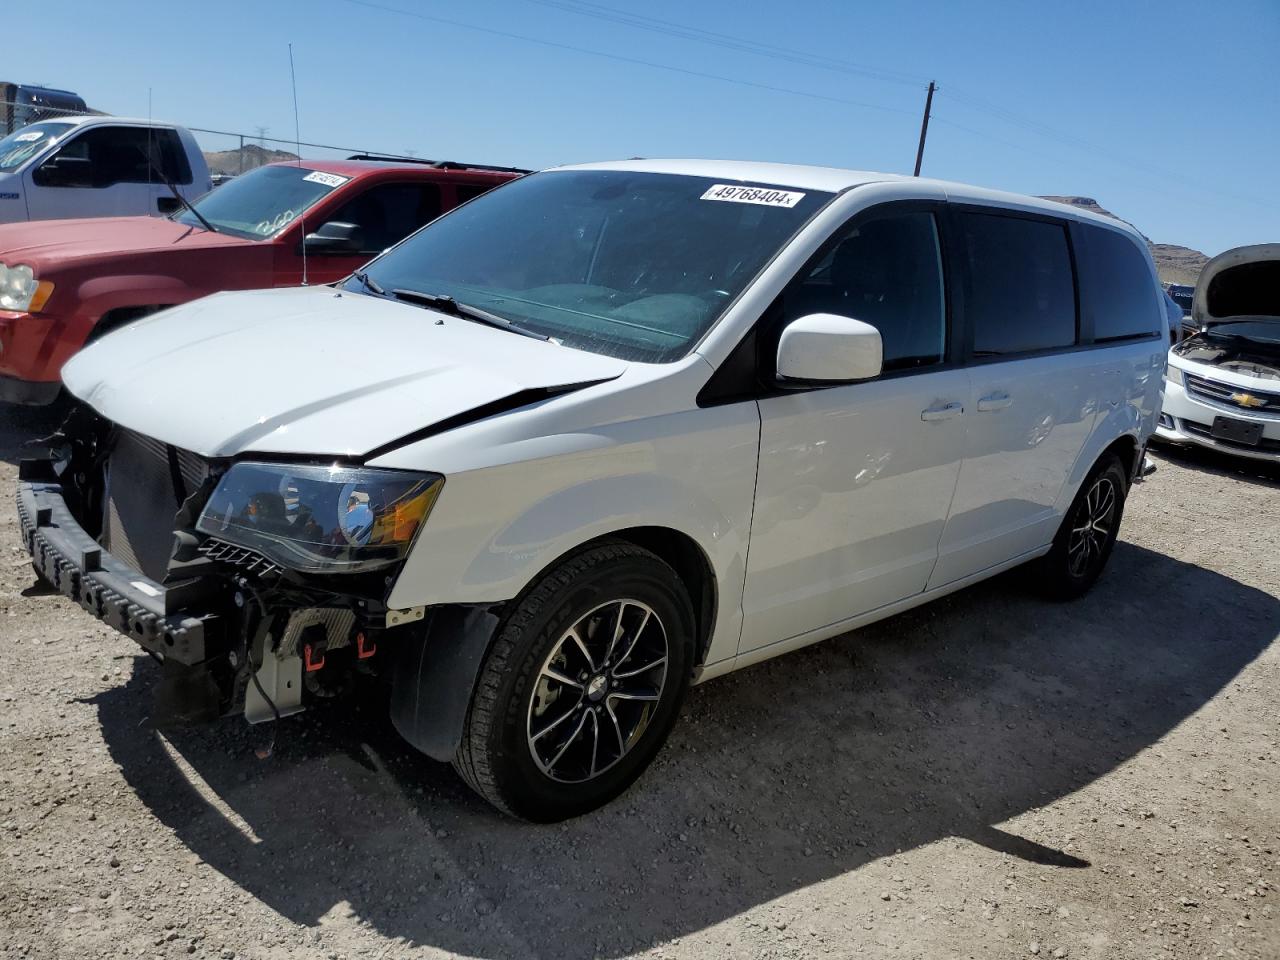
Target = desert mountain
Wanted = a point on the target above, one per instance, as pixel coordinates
(1175, 264)
(229, 162)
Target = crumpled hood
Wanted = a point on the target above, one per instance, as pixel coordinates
(309, 371)
(44, 244)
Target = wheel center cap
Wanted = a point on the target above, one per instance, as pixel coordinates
(596, 688)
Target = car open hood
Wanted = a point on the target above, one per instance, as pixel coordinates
(1243, 282)
(311, 371)
(1227, 347)
(45, 243)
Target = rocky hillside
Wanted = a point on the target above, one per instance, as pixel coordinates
(1175, 264)
(229, 162)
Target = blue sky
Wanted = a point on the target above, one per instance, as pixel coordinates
(1168, 113)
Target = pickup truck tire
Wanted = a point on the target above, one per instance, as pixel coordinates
(581, 686)
(1088, 533)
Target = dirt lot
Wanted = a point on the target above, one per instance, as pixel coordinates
(988, 777)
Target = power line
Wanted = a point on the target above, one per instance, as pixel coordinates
(702, 75)
(727, 41)
(1040, 129)
(599, 11)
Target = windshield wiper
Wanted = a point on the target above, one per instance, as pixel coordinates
(446, 304)
(369, 283)
(159, 171)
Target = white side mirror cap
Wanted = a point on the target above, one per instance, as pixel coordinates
(826, 347)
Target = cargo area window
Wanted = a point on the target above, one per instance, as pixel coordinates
(1117, 284)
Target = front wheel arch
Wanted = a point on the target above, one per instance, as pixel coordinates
(120, 316)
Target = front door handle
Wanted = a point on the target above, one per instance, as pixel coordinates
(995, 401)
(942, 411)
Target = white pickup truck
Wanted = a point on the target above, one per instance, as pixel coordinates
(98, 166)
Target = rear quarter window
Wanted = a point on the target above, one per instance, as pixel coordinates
(1020, 295)
(1117, 285)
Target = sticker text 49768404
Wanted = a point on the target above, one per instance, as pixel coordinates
(764, 196)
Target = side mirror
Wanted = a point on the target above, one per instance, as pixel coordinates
(828, 348)
(64, 171)
(336, 237)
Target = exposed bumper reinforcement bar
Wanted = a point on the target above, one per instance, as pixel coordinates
(115, 593)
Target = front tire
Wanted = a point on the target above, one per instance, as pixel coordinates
(582, 685)
(1088, 533)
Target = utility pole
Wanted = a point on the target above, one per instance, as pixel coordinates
(924, 127)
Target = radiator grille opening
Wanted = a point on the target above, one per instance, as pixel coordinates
(140, 501)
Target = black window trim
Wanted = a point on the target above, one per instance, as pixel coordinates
(734, 381)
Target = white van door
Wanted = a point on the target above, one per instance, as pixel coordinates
(1034, 395)
(855, 481)
(101, 171)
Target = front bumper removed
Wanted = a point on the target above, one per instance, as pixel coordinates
(118, 595)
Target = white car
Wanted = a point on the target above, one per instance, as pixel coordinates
(1223, 388)
(603, 432)
(98, 166)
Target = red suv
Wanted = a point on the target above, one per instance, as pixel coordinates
(65, 282)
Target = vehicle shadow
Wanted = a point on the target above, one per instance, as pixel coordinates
(20, 425)
(941, 722)
(1204, 460)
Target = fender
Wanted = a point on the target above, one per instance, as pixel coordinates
(102, 294)
(497, 525)
(97, 297)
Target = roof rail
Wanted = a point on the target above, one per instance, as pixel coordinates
(439, 164)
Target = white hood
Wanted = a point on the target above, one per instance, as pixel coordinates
(310, 371)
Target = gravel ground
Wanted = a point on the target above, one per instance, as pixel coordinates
(991, 776)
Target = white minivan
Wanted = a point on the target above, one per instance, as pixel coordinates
(98, 166)
(598, 434)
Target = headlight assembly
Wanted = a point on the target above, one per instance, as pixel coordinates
(1173, 374)
(20, 291)
(321, 519)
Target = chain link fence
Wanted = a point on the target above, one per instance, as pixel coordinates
(228, 153)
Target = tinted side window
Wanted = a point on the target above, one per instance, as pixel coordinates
(1118, 286)
(389, 213)
(120, 155)
(1021, 293)
(885, 271)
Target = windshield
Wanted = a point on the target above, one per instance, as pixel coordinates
(634, 265)
(19, 147)
(262, 202)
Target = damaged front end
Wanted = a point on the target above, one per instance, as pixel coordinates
(258, 586)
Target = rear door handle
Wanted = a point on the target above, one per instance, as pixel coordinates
(994, 401)
(943, 411)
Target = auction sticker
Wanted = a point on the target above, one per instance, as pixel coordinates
(328, 179)
(764, 196)
(29, 137)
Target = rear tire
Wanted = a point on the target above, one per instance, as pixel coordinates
(582, 685)
(1088, 533)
